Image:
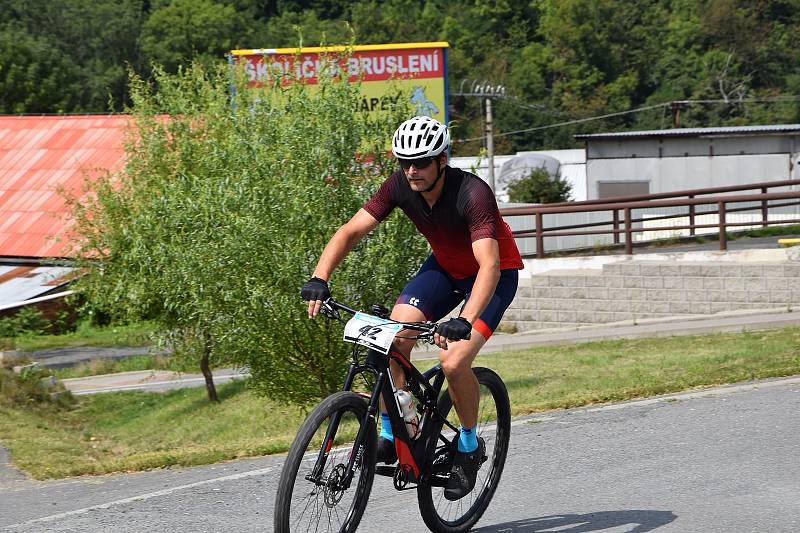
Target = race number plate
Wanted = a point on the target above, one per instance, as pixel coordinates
(371, 331)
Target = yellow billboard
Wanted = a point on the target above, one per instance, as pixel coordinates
(419, 70)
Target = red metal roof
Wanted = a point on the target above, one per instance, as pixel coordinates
(39, 155)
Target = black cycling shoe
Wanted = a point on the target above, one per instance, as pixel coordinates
(386, 452)
(465, 472)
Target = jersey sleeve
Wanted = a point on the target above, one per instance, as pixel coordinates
(480, 211)
(382, 202)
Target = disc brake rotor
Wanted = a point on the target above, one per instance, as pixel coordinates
(333, 488)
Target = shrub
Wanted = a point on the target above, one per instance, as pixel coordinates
(32, 386)
(220, 215)
(540, 188)
(28, 320)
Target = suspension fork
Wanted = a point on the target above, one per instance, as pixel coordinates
(350, 377)
(359, 444)
(330, 432)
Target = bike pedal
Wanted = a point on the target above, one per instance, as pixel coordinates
(385, 470)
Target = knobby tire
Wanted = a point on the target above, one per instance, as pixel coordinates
(494, 426)
(304, 506)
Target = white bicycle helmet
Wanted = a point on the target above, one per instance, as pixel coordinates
(420, 137)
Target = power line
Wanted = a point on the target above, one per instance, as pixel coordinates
(501, 96)
(569, 122)
(770, 99)
(536, 107)
(781, 98)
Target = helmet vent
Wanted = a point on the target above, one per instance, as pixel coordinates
(420, 137)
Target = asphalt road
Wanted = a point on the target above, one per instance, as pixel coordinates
(723, 460)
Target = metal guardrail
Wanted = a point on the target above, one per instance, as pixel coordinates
(622, 210)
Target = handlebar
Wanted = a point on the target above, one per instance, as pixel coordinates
(330, 309)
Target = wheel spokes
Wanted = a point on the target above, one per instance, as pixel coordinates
(455, 511)
(322, 504)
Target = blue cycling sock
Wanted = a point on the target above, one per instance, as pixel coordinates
(386, 427)
(467, 440)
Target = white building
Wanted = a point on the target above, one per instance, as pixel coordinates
(649, 162)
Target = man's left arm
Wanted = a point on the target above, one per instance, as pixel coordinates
(487, 254)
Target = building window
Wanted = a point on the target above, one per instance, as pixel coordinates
(610, 189)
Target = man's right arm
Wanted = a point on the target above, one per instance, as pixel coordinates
(338, 247)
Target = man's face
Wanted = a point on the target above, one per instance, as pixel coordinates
(420, 173)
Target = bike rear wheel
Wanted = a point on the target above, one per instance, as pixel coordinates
(319, 503)
(494, 426)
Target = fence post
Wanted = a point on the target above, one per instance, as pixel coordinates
(691, 216)
(764, 210)
(539, 237)
(616, 226)
(723, 236)
(628, 232)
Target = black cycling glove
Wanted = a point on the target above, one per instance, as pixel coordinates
(455, 329)
(315, 289)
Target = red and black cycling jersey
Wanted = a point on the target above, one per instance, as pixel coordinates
(465, 212)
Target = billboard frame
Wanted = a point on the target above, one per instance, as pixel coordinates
(235, 55)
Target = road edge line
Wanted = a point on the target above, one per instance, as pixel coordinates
(141, 497)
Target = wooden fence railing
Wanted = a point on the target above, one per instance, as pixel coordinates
(622, 210)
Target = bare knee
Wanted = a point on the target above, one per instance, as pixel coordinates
(406, 313)
(404, 346)
(454, 367)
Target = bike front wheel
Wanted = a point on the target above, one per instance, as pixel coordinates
(313, 494)
(494, 426)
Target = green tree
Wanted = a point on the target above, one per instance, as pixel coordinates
(307, 29)
(84, 45)
(562, 60)
(182, 31)
(35, 76)
(539, 188)
(221, 212)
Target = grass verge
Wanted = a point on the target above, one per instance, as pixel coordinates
(134, 431)
(606, 249)
(129, 431)
(770, 231)
(126, 335)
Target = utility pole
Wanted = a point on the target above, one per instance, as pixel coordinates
(486, 92)
(676, 108)
(490, 142)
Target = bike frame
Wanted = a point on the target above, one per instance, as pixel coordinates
(411, 452)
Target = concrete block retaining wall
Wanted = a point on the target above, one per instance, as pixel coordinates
(636, 289)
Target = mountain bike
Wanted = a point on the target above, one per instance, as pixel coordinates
(327, 478)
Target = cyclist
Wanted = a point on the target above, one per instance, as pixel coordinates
(474, 259)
